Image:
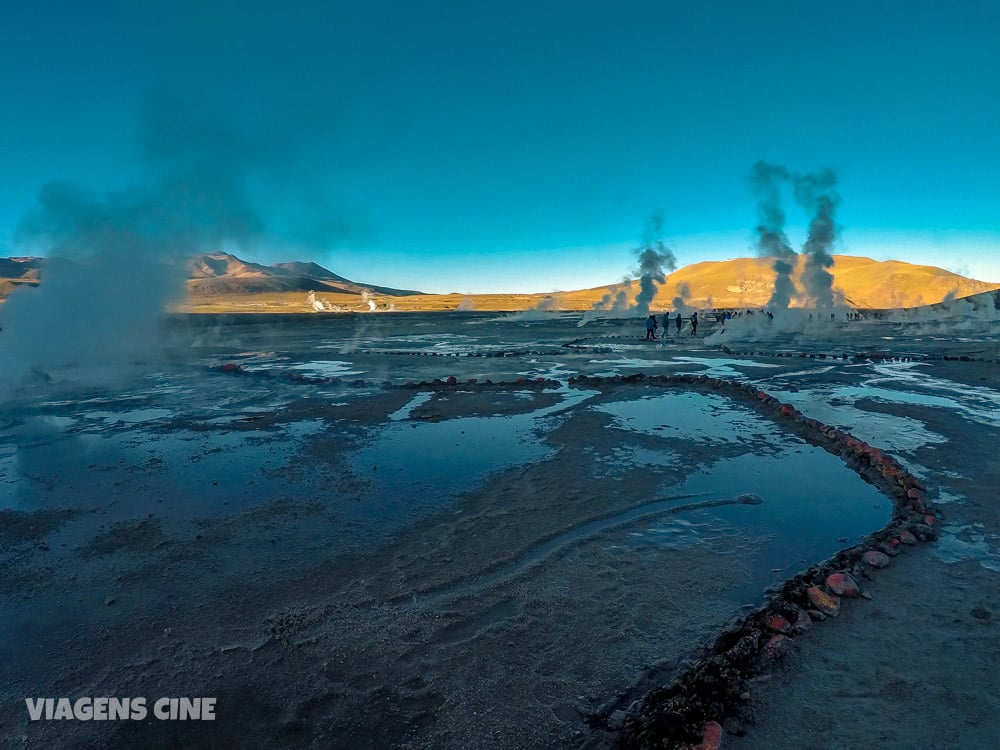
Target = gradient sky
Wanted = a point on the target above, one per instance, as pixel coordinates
(513, 146)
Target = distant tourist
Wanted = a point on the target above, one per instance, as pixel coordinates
(678, 321)
(650, 328)
(694, 324)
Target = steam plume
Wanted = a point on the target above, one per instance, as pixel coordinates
(115, 258)
(656, 260)
(683, 290)
(765, 182)
(815, 192)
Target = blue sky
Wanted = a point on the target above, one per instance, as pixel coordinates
(508, 146)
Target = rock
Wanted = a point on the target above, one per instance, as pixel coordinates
(777, 623)
(889, 547)
(907, 538)
(842, 584)
(828, 604)
(617, 719)
(802, 622)
(711, 736)
(875, 558)
(776, 646)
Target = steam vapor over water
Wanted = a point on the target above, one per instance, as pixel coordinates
(815, 193)
(656, 260)
(115, 260)
(765, 182)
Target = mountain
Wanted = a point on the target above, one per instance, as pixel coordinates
(748, 282)
(220, 281)
(215, 274)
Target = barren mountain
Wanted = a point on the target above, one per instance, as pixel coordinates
(221, 274)
(748, 282)
(220, 281)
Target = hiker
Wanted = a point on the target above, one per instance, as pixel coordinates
(694, 324)
(650, 328)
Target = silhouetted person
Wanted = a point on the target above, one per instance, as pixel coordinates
(678, 321)
(650, 328)
(694, 324)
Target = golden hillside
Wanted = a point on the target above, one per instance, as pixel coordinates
(222, 283)
(742, 282)
(748, 282)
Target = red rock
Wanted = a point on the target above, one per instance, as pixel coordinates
(843, 584)
(451, 380)
(907, 538)
(711, 737)
(930, 520)
(761, 395)
(890, 547)
(914, 494)
(778, 624)
(828, 604)
(776, 646)
(889, 471)
(875, 558)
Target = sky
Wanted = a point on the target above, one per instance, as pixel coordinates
(497, 146)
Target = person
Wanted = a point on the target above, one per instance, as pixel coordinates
(694, 324)
(650, 328)
(678, 322)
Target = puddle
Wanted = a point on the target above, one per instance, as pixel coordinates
(318, 368)
(404, 411)
(722, 367)
(975, 403)
(888, 431)
(631, 363)
(696, 417)
(413, 468)
(548, 370)
(811, 500)
(959, 542)
(135, 416)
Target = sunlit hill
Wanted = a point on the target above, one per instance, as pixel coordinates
(220, 282)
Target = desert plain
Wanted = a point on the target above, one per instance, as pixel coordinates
(423, 530)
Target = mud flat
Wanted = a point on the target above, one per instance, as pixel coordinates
(329, 528)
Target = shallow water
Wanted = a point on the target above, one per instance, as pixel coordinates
(694, 417)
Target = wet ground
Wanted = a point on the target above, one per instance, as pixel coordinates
(344, 562)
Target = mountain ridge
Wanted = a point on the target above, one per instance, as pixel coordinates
(214, 278)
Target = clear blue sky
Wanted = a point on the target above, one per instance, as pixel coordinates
(510, 146)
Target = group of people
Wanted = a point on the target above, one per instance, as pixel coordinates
(652, 325)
